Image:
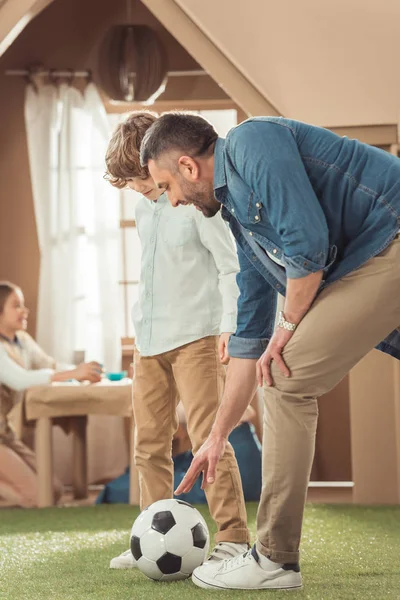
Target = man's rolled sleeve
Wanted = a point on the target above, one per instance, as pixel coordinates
(301, 266)
(240, 347)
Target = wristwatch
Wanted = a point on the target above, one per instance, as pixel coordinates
(285, 324)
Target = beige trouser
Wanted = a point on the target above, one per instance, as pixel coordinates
(345, 322)
(194, 374)
(18, 477)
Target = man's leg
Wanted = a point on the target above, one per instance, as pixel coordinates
(199, 378)
(345, 322)
(154, 406)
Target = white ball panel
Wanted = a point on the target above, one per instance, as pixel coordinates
(194, 558)
(161, 505)
(142, 523)
(149, 568)
(186, 515)
(179, 540)
(152, 544)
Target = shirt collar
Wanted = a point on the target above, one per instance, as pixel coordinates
(160, 204)
(14, 341)
(219, 164)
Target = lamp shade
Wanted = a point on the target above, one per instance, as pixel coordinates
(132, 64)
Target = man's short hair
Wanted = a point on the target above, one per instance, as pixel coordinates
(186, 133)
(123, 152)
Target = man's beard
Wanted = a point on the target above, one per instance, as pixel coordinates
(203, 199)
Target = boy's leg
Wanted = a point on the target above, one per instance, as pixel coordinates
(154, 407)
(345, 322)
(199, 378)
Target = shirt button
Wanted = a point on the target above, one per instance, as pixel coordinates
(257, 218)
(254, 257)
(278, 286)
(274, 251)
(233, 210)
(250, 233)
(258, 205)
(305, 264)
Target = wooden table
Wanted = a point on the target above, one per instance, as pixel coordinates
(69, 405)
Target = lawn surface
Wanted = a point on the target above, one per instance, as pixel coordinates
(63, 553)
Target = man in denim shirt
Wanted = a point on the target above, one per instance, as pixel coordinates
(316, 219)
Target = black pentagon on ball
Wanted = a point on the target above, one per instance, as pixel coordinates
(169, 563)
(199, 534)
(163, 521)
(135, 547)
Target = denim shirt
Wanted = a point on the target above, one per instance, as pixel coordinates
(314, 200)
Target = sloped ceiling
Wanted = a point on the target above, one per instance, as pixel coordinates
(330, 62)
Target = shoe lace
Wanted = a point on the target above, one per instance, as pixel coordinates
(236, 561)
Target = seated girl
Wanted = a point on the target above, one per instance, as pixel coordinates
(24, 364)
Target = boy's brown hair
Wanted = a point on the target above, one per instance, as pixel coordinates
(123, 152)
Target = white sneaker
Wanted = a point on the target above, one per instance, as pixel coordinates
(245, 573)
(226, 550)
(123, 561)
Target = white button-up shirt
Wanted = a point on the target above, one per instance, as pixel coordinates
(188, 273)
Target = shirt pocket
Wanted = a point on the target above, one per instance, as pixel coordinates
(255, 209)
(177, 231)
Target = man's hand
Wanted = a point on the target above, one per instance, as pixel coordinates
(273, 353)
(205, 460)
(223, 348)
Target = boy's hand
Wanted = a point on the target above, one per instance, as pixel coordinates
(223, 347)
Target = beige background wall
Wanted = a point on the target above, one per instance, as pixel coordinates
(332, 63)
(375, 429)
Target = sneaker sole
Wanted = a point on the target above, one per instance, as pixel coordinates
(280, 583)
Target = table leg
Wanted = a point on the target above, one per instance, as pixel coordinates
(134, 495)
(44, 458)
(79, 457)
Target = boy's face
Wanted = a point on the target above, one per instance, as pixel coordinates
(147, 187)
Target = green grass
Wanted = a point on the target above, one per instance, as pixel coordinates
(63, 553)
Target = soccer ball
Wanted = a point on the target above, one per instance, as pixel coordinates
(169, 539)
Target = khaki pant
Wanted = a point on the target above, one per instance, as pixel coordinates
(194, 374)
(345, 322)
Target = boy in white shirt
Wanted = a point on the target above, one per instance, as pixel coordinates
(183, 319)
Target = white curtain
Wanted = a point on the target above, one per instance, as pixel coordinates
(77, 217)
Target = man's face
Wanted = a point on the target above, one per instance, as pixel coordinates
(146, 186)
(186, 186)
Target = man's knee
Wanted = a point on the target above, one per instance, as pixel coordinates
(305, 381)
